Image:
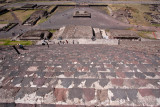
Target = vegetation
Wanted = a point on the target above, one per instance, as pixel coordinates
(23, 14)
(156, 25)
(42, 20)
(137, 11)
(52, 30)
(9, 42)
(6, 18)
(145, 34)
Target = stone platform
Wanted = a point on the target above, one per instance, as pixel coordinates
(78, 76)
(82, 41)
(76, 32)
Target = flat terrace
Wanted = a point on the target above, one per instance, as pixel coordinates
(77, 32)
(124, 34)
(78, 76)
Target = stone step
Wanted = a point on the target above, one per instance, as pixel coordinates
(86, 74)
(80, 83)
(83, 41)
(81, 96)
(97, 33)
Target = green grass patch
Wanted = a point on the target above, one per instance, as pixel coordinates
(156, 25)
(6, 18)
(23, 14)
(9, 42)
(52, 30)
(42, 20)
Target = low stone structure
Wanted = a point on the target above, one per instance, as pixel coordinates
(29, 6)
(124, 34)
(8, 27)
(32, 20)
(154, 18)
(97, 33)
(82, 14)
(42, 6)
(3, 10)
(123, 15)
(155, 7)
(36, 35)
(76, 32)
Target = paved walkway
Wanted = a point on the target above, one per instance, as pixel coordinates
(79, 75)
(98, 20)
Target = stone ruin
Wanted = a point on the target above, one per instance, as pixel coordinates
(36, 35)
(29, 6)
(8, 27)
(123, 14)
(80, 32)
(32, 20)
(73, 34)
(76, 32)
(42, 6)
(124, 35)
(3, 10)
(34, 6)
(155, 7)
(82, 14)
(155, 18)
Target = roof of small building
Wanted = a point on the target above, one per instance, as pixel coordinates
(123, 33)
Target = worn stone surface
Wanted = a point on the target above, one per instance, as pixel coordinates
(79, 75)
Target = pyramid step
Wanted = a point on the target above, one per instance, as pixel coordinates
(80, 83)
(81, 96)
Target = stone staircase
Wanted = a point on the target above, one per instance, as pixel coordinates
(79, 75)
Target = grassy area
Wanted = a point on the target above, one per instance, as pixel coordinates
(42, 20)
(104, 8)
(23, 14)
(6, 18)
(63, 8)
(145, 34)
(137, 11)
(156, 25)
(9, 42)
(52, 30)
